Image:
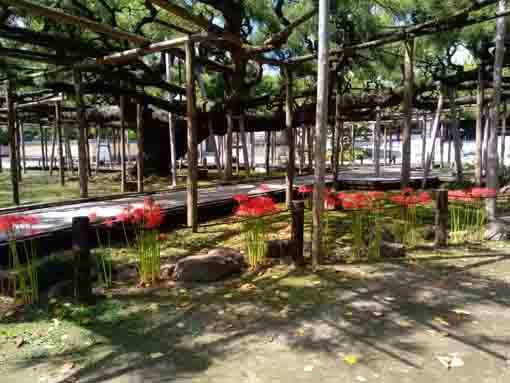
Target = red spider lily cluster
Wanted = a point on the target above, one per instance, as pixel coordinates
(408, 197)
(149, 215)
(263, 188)
(11, 223)
(305, 189)
(470, 195)
(255, 207)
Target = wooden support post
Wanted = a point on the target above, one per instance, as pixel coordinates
(11, 125)
(297, 210)
(301, 149)
(123, 175)
(82, 260)
(98, 145)
(486, 135)
(18, 147)
(215, 146)
(503, 133)
(456, 136)
(23, 149)
(58, 128)
(309, 142)
(228, 149)
(140, 141)
(321, 127)
(385, 146)
(289, 126)
(268, 150)
(390, 146)
(442, 216)
(87, 149)
(423, 141)
(377, 143)
(70, 160)
(407, 110)
(338, 128)
(192, 192)
(435, 130)
(244, 144)
(1, 160)
(82, 124)
(237, 153)
(171, 128)
(43, 152)
(353, 146)
(52, 163)
(441, 144)
(252, 150)
(479, 125)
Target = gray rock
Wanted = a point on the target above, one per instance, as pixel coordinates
(392, 250)
(497, 231)
(213, 266)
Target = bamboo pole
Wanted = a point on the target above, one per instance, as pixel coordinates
(320, 134)
(82, 124)
(192, 192)
(291, 163)
(11, 125)
(140, 169)
(58, 128)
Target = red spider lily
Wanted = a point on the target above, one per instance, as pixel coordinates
(398, 199)
(10, 223)
(123, 216)
(93, 216)
(162, 237)
(263, 188)
(256, 207)
(341, 195)
(376, 195)
(305, 189)
(330, 201)
(459, 195)
(424, 198)
(484, 193)
(148, 201)
(407, 190)
(354, 201)
(137, 215)
(240, 198)
(109, 222)
(153, 217)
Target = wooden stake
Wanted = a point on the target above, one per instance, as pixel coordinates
(140, 143)
(268, 150)
(192, 192)
(18, 147)
(407, 110)
(252, 149)
(98, 144)
(442, 216)
(52, 157)
(423, 142)
(291, 163)
(58, 128)
(11, 125)
(309, 141)
(82, 260)
(43, 152)
(321, 127)
(22, 141)
(297, 210)
(82, 124)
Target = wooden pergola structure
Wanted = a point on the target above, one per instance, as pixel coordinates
(129, 76)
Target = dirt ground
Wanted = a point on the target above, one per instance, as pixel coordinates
(441, 318)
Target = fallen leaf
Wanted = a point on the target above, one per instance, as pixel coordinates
(350, 359)
(461, 312)
(20, 342)
(308, 368)
(154, 307)
(300, 332)
(404, 323)
(316, 283)
(67, 367)
(156, 355)
(228, 296)
(450, 361)
(441, 321)
(377, 314)
(247, 287)
(361, 379)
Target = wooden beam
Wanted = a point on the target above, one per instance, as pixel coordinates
(61, 17)
(133, 54)
(192, 186)
(183, 13)
(82, 127)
